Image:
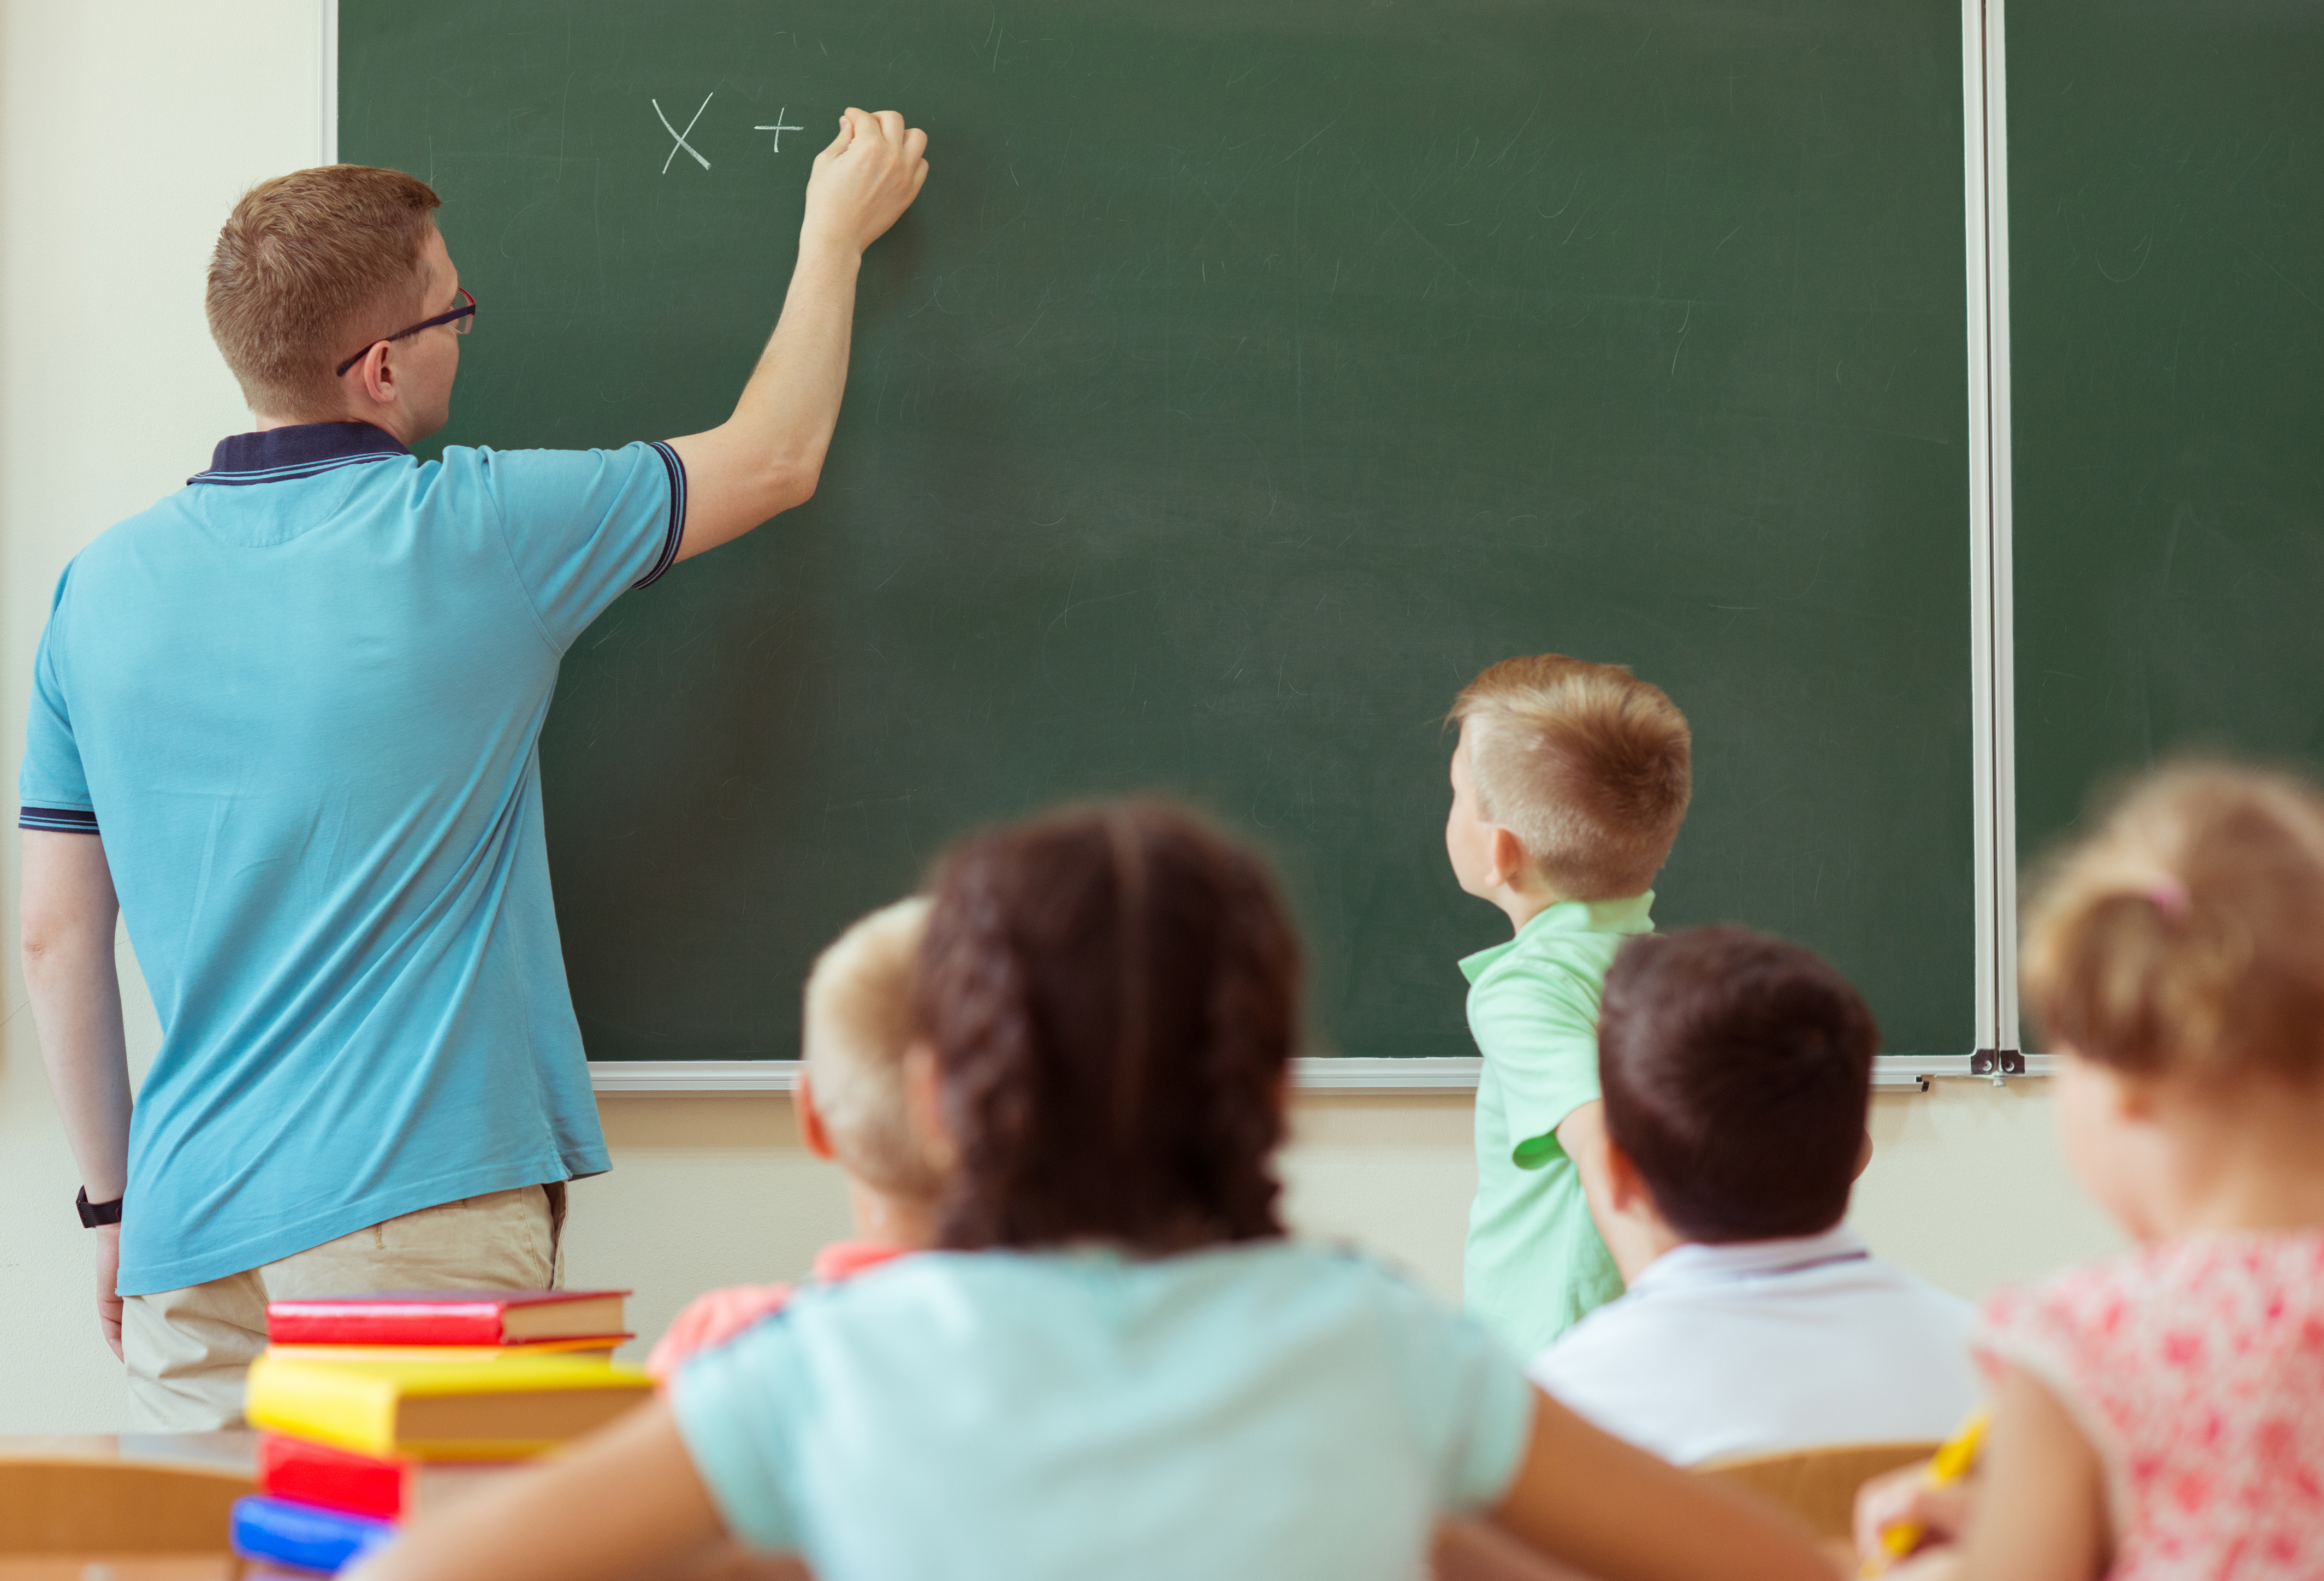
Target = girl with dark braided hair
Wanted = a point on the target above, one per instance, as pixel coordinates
(1116, 1365)
(1111, 995)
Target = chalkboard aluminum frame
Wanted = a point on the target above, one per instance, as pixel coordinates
(1424, 1078)
(1985, 155)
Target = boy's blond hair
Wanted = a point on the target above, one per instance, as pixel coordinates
(1585, 763)
(2187, 933)
(859, 1025)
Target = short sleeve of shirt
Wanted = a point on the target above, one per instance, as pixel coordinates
(52, 791)
(1470, 1406)
(1541, 1038)
(585, 526)
(2077, 1333)
(2021, 1325)
(733, 1406)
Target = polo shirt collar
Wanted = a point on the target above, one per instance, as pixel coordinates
(1630, 914)
(302, 449)
(1696, 1266)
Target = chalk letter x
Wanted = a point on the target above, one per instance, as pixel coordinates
(681, 137)
(779, 129)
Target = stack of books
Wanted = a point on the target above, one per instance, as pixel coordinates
(373, 1407)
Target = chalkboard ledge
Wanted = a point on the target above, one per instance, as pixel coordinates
(779, 1076)
(1393, 1077)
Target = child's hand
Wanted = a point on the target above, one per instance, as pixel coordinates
(712, 1319)
(1904, 1496)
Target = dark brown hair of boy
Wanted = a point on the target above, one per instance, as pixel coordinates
(1736, 1069)
(1113, 993)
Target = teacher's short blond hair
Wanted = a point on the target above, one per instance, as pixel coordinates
(859, 1027)
(309, 267)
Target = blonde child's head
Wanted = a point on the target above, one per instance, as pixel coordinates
(859, 1028)
(2176, 958)
(2185, 936)
(1585, 764)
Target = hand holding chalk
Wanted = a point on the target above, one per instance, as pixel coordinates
(865, 179)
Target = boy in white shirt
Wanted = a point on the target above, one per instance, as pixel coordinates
(1737, 1072)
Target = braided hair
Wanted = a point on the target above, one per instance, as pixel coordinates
(1111, 993)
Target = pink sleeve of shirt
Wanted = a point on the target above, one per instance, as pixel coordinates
(2194, 1369)
(712, 1319)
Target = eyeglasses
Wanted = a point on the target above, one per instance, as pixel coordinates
(462, 318)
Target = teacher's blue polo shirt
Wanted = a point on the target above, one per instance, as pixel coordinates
(300, 700)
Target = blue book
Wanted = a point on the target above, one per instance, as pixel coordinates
(305, 1536)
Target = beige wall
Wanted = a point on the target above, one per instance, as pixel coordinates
(1964, 1186)
(126, 130)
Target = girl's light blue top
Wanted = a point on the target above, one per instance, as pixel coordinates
(1266, 1410)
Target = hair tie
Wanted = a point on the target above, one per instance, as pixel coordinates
(2169, 896)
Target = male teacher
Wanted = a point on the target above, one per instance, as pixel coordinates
(289, 717)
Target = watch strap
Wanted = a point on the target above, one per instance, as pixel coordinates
(93, 1213)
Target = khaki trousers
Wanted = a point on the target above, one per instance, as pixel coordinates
(187, 1349)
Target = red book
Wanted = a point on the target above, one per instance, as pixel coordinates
(336, 1479)
(385, 1489)
(445, 1317)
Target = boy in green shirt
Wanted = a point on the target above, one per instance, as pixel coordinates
(1569, 784)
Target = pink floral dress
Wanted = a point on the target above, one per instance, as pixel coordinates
(2197, 1368)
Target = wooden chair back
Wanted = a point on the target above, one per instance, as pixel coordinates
(1818, 1486)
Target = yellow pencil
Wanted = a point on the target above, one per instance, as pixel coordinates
(1952, 1463)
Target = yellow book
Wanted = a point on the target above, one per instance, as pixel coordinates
(440, 1410)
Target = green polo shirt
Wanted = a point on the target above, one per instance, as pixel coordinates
(1535, 1264)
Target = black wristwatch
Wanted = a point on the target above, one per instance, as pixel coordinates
(93, 1213)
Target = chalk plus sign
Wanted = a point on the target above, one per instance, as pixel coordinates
(779, 129)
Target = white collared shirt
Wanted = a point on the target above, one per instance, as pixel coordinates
(1768, 1346)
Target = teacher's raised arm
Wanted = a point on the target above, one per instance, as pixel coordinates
(765, 459)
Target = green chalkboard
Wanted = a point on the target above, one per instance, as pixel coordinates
(2166, 228)
(1249, 375)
